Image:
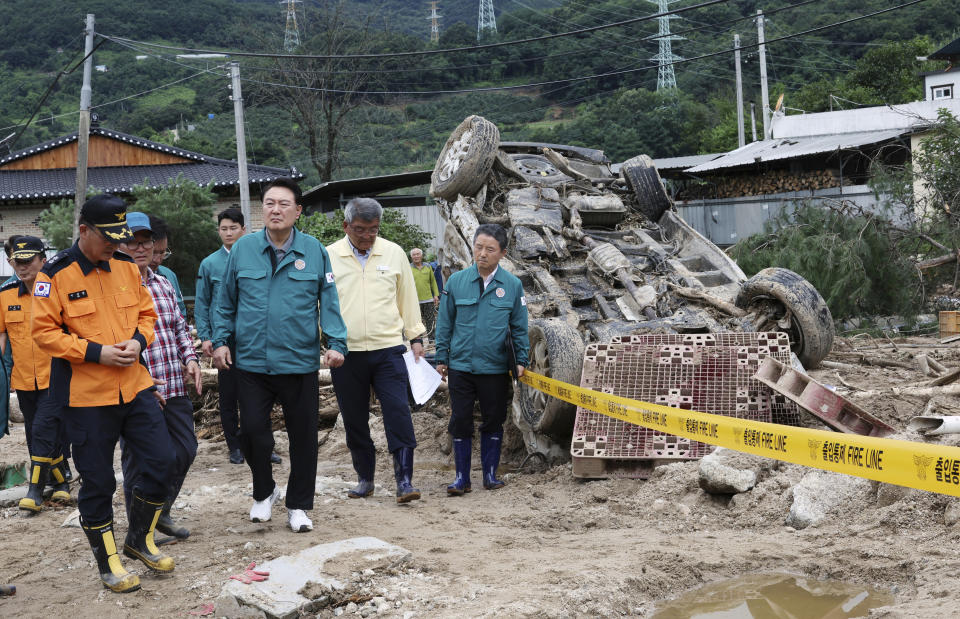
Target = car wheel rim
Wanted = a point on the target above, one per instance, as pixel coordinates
(455, 155)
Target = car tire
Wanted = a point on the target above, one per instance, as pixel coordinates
(811, 324)
(644, 181)
(556, 351)
(466, 159)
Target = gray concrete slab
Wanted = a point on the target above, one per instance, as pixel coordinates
(325, 564)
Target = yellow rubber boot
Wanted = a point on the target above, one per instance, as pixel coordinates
(104, 547)
(32, 504)
(61, 487)
(139, 544)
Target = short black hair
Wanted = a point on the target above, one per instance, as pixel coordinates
(8, 245)
(492, 230)
(287, 183)
(159, 227)
(233, 214)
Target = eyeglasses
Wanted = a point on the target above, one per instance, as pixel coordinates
(133, 244)
(364, 231)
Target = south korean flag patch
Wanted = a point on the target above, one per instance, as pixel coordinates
(329, 278)
(42, 289)
(523, 301)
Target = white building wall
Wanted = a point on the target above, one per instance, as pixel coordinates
(947, 78)
(428, 218)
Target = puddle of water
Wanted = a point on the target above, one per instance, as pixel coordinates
(775, 596)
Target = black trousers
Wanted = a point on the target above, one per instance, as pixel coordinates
(227, 382)
(178, 418)
(43, 424)
(386, 372)
(491, 390)
(94, 432)
(299, 397)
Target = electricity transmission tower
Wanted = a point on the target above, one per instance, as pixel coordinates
(434, 22)
(486, 20)
(291, 35)
(666, 78)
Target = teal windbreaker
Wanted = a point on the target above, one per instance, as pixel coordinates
(272, 315)
(473, 323)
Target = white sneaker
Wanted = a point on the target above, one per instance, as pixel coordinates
(260, 512)
(298, 520)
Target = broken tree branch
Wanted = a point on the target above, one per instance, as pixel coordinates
(935, 262)
(709, 299)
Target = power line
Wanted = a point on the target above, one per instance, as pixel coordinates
(589, 77)
(421, 52)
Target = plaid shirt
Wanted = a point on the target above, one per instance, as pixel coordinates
(172, 348)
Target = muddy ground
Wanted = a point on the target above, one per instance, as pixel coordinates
(547, 545)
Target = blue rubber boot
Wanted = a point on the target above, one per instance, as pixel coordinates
(364, 463)
(490, 459)
(403, 471)
(461, 459)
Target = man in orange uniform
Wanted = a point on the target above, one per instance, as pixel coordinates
(93, 315)
(31, 372)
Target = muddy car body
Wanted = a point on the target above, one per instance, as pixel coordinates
(601, 253)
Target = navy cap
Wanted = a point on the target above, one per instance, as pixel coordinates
(108, 214)
(26, 248)
(138, 221)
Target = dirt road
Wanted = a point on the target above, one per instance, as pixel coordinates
(547, 545)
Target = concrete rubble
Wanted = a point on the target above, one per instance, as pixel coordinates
(317, 570)
(819, 493)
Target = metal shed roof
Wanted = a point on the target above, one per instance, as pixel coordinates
(788, 148)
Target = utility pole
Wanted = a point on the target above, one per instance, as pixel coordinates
(83, 132)
(237, 97)
(741, 140)
(764, 94)
(291, 33)
(753, 120)
(486, 20)
(434, 22)
(666, 77)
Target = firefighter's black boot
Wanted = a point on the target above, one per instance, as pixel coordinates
(104, 547)
(61, 487)
(167, 526)
(139, 544)
(32, 504)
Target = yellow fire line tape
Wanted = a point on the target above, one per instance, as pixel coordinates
(935, 468)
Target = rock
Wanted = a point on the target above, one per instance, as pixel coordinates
(820, 492)
(717, 477)
(14, 410)
(888, 494)
(73, 520)
(351, 607)
(383, 608)
(227, 606)
(368, 610)
(951, 515)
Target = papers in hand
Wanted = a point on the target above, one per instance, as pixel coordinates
(424, 380)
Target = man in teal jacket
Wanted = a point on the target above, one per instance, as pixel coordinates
(483, 314)
(230, 228)
(277, 285)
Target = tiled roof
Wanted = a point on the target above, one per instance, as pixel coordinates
(108, 133)
(19, 185)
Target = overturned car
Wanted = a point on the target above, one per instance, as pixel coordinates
(603, 255)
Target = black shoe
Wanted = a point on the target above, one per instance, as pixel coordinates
(403, 470)
(236, 457)
(32, 503)
(104, 547)
(274, 458)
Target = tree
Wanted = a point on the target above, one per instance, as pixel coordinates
(393, 227)
(57, 224)
(320, 94)
(187, 209)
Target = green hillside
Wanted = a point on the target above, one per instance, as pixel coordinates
(409, 104)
